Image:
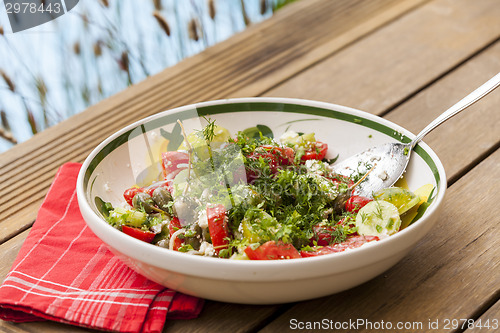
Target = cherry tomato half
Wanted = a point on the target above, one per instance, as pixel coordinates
(355, 203)
(316, 152)
(173, 226)
(130, 193)
(283, 155)
(217, 227)
(322, 235)
(173, 162)
(351, 243)
(145, 236)
(270, 159)
(339, 179)
(272, 251)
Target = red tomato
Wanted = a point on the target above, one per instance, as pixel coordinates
(173, 162)
(217, 227)
(348, 220)
(339, 179)
(130, 193)
(284, 155)
(151, 188)
(142, 235)
(272, 251)
(355, 203)
(173, 226)
(317, 152)
(351, 243)
(322, 235)
(268, 157)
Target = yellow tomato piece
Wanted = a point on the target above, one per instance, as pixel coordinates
(402, 198)
(423, 193)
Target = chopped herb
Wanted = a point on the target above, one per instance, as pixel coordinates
(185, 248)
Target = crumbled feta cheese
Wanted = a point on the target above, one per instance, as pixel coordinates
(202, 219)
(206, 249)
(316, 167)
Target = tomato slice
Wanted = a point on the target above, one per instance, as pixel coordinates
(339, 179)
(145, 236)
(355, 203)
(130, 193)
(217, 227)
(316, 152)
(322, 235)
(173, 162)
(283, 155)
(272, 250)
(351, 243)
(173, 226)
(271, 160)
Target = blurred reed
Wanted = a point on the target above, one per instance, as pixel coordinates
(107, 46)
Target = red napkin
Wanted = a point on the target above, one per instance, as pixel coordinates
(64, 273)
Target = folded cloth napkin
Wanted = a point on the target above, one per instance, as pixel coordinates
(64, 273)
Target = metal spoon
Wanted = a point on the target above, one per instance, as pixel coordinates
(387, 162)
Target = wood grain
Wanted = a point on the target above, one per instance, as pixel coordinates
(400, 58)
(26, 170)
(448, 275)
(224, 317)
(489, 321)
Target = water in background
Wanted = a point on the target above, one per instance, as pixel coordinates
(53, 71)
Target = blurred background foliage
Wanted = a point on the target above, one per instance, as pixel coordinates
(53, 71)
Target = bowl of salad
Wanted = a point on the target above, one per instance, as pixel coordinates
(237, 200)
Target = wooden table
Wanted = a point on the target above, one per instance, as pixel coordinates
(406, 61)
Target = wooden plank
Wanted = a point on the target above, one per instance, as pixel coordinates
(9, 251)
(27, 169)
(488, 322)
(224, 317)
(401, 58)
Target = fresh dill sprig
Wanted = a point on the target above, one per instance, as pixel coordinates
(379, 212)
(208, 131)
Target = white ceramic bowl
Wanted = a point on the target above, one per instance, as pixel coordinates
(110, 169)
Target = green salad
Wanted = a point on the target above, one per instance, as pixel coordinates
(251, 196)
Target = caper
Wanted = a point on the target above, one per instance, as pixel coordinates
(143, 201)
(185, 209)
(193, 236)
(161, 196)
(340, 200)
(205, 235)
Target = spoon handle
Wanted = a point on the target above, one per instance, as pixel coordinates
(464, 103)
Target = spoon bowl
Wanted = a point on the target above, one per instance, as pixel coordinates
(384, 164)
